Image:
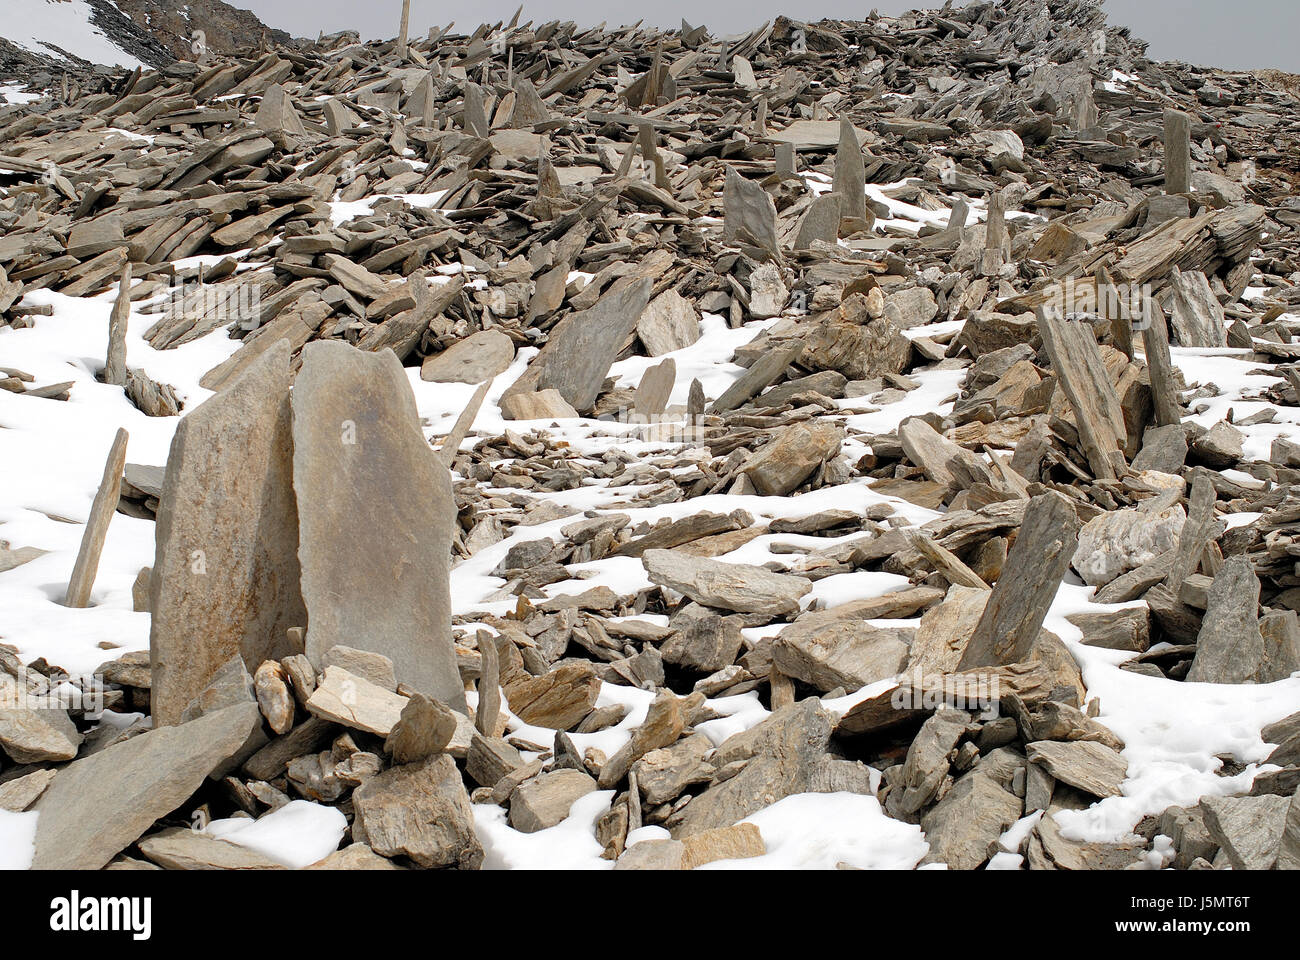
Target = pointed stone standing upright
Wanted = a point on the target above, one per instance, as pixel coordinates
(376, 512)
(785, 160)
(101, 513)
(475, 115)
(1178, 152)
(995, 234)
(115, 361)
(225, 578)
(405, 29)
(1016, 608)
(748, 212)
(850, 179)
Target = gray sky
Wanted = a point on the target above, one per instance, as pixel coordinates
(1236, 34)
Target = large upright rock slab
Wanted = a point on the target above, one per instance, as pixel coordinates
(104, 802)
(1230, 647)
(748, 212)
(376, 513)
(583, 345)
(850, 178)
(1030, 578)
(225, 572)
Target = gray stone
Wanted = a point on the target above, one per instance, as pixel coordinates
(1030, 579)
(821, 221)
(365, 477)
(355, 702)
(421, 811)
(544, 801)
(1091, 767)
(226, 572)
(33, 728)
(926, 763)
(583, 345)
(424, 728)
(669, 322)
(791, 456)
(728, 586)
(181, 848)
(480, 356)
(1230, 646)
(704, 641)
(1115, 542)
(1178, 152)
(655, 388)
(653, 855)
(1248, 830)
(101, 804)
(749, 213)
(781, 757)
(662, 775)
(374, 667)
(967, 822)
(849, 654)
(767, 292)
(850, 177)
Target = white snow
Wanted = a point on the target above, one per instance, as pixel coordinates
(17, 839)
(820, 831)
(40, 25)
(295, 836)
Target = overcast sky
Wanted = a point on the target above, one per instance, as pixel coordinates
(1235, 34)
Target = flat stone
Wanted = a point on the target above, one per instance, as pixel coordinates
(558, 699)
(704, 641)
(738, 842)
(663, 726)
(849, 654)
(783, 754)
(375, 667)
(355, 702)
(821, 221)
(655, 389)
(421, 811)
(542, 405)
(34, 729)
(749, 213)
(102, 803)
(362, 472)
(226, 566)
(1095, 769)
(20, 793)
(850, 175)
(658, 854)
(545, 800)
(480, 356)
(356, 856)
(180, 848)
(767, 292)
(663, 774)
(728, 586)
